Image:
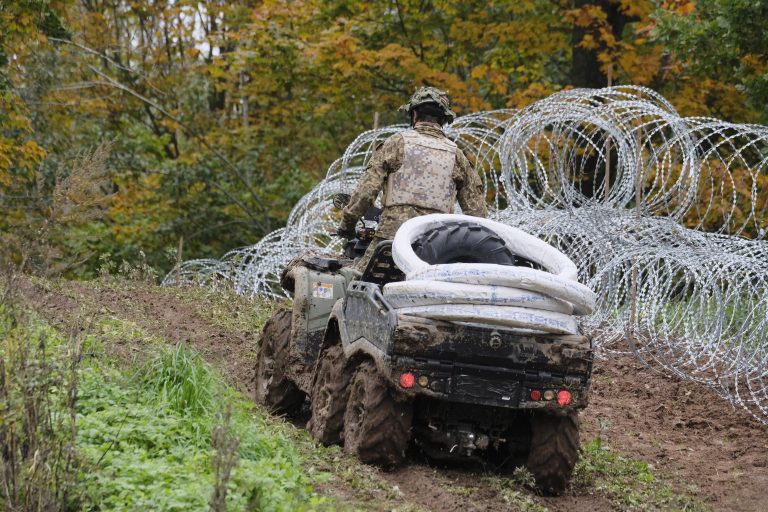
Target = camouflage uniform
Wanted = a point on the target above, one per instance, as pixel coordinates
(388, 159)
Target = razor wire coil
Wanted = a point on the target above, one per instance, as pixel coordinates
(665, 216)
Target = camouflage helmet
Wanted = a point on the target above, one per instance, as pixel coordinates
(430, 95)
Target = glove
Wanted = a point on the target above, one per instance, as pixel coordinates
(345, 232)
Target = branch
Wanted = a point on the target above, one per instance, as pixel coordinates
(110, 60)
(191, 131)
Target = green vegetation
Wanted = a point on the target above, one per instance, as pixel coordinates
(38, 389)
(722, 40)
(142, 436)
(146, 442)
(629, 484)
(513, 492)
(224, 308)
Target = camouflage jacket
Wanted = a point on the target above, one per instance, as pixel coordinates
(389, 158)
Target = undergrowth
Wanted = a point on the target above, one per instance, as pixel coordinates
(146, 443)
(165, 434)
(629, 484)
(38, 392)
(226, 309)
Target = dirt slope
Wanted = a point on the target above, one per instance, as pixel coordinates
(708, 449)
(718, 452)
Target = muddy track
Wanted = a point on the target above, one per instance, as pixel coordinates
(698, 441)
(714, 452)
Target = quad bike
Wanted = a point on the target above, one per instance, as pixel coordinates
(377, 380)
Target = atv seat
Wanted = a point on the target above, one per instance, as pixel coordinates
(381, 269)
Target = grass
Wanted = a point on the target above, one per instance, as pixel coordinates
(143, 433)
(145, 440)
(226, 309)
(514, 493)
(629, 484)
(182, 381)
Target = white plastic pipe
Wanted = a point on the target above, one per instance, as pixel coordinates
(519, 298)
(553, 285)
(402, 294)
(519, 242)
(507, 316)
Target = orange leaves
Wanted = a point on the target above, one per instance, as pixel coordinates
(587, 16)
(682, 7)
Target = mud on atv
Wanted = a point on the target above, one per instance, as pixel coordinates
(377, 380)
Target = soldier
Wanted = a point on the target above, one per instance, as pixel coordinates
(420, 171)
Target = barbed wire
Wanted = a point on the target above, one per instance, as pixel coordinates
(665, 216)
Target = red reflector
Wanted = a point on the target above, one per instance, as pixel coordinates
(407, 379)
(535, 395)
(563, 397)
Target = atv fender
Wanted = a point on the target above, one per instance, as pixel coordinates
(354, 349)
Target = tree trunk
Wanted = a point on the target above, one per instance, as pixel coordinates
(585, 66)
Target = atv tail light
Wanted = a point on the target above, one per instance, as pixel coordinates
(535, 395)
(549, 395)
(407, 379)
(564, 397)
(423, 381)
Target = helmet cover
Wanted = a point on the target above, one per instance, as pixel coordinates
(430, 95)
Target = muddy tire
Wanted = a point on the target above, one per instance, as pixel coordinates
(329, 396)
(377, 425)
(273, 388)
(554, 450)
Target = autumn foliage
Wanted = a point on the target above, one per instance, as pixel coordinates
(219, 115)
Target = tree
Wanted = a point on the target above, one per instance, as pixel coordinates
(721, 40)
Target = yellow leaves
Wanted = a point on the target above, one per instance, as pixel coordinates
(22, 155)
(587, 16)
(639, 9)
(589, 42)
(534, 92)
(641, 68)
(140, 199)
(6, 179)
(682, 7)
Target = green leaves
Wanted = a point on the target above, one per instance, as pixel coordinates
(724, 40)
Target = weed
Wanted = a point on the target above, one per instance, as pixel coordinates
(224, 308)
(182, 380)
(148, 443)
(140, 271)
(628, 483)
(225, 459)
(460, 489)
(38, 395)
(522, 476)
(512, 492)
(116, 330)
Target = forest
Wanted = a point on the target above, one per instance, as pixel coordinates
(155, 131)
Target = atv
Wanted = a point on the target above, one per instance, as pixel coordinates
(378, 381)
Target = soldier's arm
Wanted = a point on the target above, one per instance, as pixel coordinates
(469, 188)
(382, 162)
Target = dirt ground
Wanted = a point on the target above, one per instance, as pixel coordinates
(713, 452)
(710, 450)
